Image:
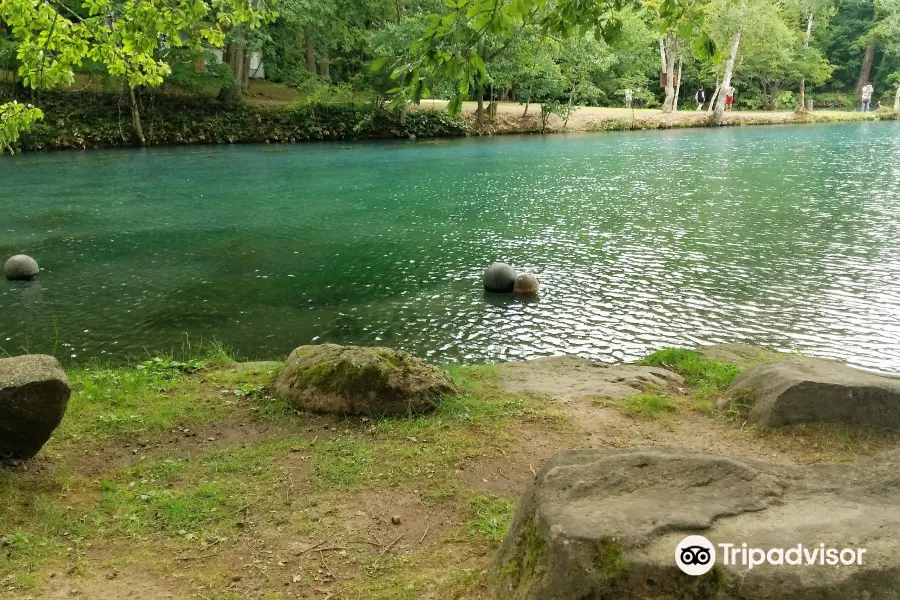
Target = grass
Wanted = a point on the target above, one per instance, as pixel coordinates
(188, 472)
(697, 370)
(110, 402)
(132, 476)
(650, 406)
(493, 516)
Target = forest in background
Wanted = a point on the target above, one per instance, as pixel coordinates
(369, 53)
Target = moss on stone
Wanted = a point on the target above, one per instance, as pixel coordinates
(360, 380)
(610, 558)
(529, 549)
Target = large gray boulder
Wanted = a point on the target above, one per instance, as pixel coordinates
(813, 390)
(356, 380)
(20, 266)
(499, 277)
(34, 394)
(606, 524)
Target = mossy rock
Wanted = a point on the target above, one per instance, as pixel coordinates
(605, 525)
(582, 528)
(356, 380)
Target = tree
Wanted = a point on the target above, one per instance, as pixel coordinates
(728, 20)
(774, 55)
(14, 119)
(668, 52)
(810, 13)
(452, 49)
(888, 30)
(126, 38)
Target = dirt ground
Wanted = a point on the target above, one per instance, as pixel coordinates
(202, 486)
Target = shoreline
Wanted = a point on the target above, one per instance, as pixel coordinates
(509, 119)
(86, 121)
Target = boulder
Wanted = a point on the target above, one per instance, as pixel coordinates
(20, 266)
(526, 283)
(605, 524)
(814, 390)
(569, 377)
(34, 394)
(499, 277)
(355, 380)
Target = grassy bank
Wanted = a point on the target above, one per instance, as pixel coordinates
(187, 480)
(92, 119)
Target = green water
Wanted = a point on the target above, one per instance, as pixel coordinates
(782, 236)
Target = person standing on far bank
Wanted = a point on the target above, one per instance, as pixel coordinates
(700, 97)
(867, 97)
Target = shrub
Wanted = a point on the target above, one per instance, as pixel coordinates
(94, 120)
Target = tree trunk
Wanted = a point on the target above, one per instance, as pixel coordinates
(400, 10)
(866, 70)
(245, 70)
(719, 115)
(670, 52)
(712, 99)
(480, 112)
(527, 103)
(238, 69)
(897, 100)
(310, 52)
(492, 107)
(234, 58)
(325, 66)
(136, 117)
(677, 87)
(809, 24)
(662, 54)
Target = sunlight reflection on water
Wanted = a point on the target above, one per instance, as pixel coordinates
(784, 236)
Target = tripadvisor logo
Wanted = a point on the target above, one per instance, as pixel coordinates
(696, 555)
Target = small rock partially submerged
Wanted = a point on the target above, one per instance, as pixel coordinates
(606, 523)
(526, 283)
(499, 277)
(20, 266)
(357, 380)
(814, 390)
(34, 394)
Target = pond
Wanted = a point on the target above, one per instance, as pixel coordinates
(787, 237)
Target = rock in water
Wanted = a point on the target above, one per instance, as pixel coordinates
(34, 394)
(526, 283)
(605, 524)
(499, 277)
(20, 266)
(356, 380)
(811, 390)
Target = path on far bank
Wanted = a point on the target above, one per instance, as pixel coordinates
(511, 117)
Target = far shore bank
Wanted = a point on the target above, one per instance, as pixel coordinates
(511, 117)
(90, 120)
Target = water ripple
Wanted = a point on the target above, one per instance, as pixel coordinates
(786, 237)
